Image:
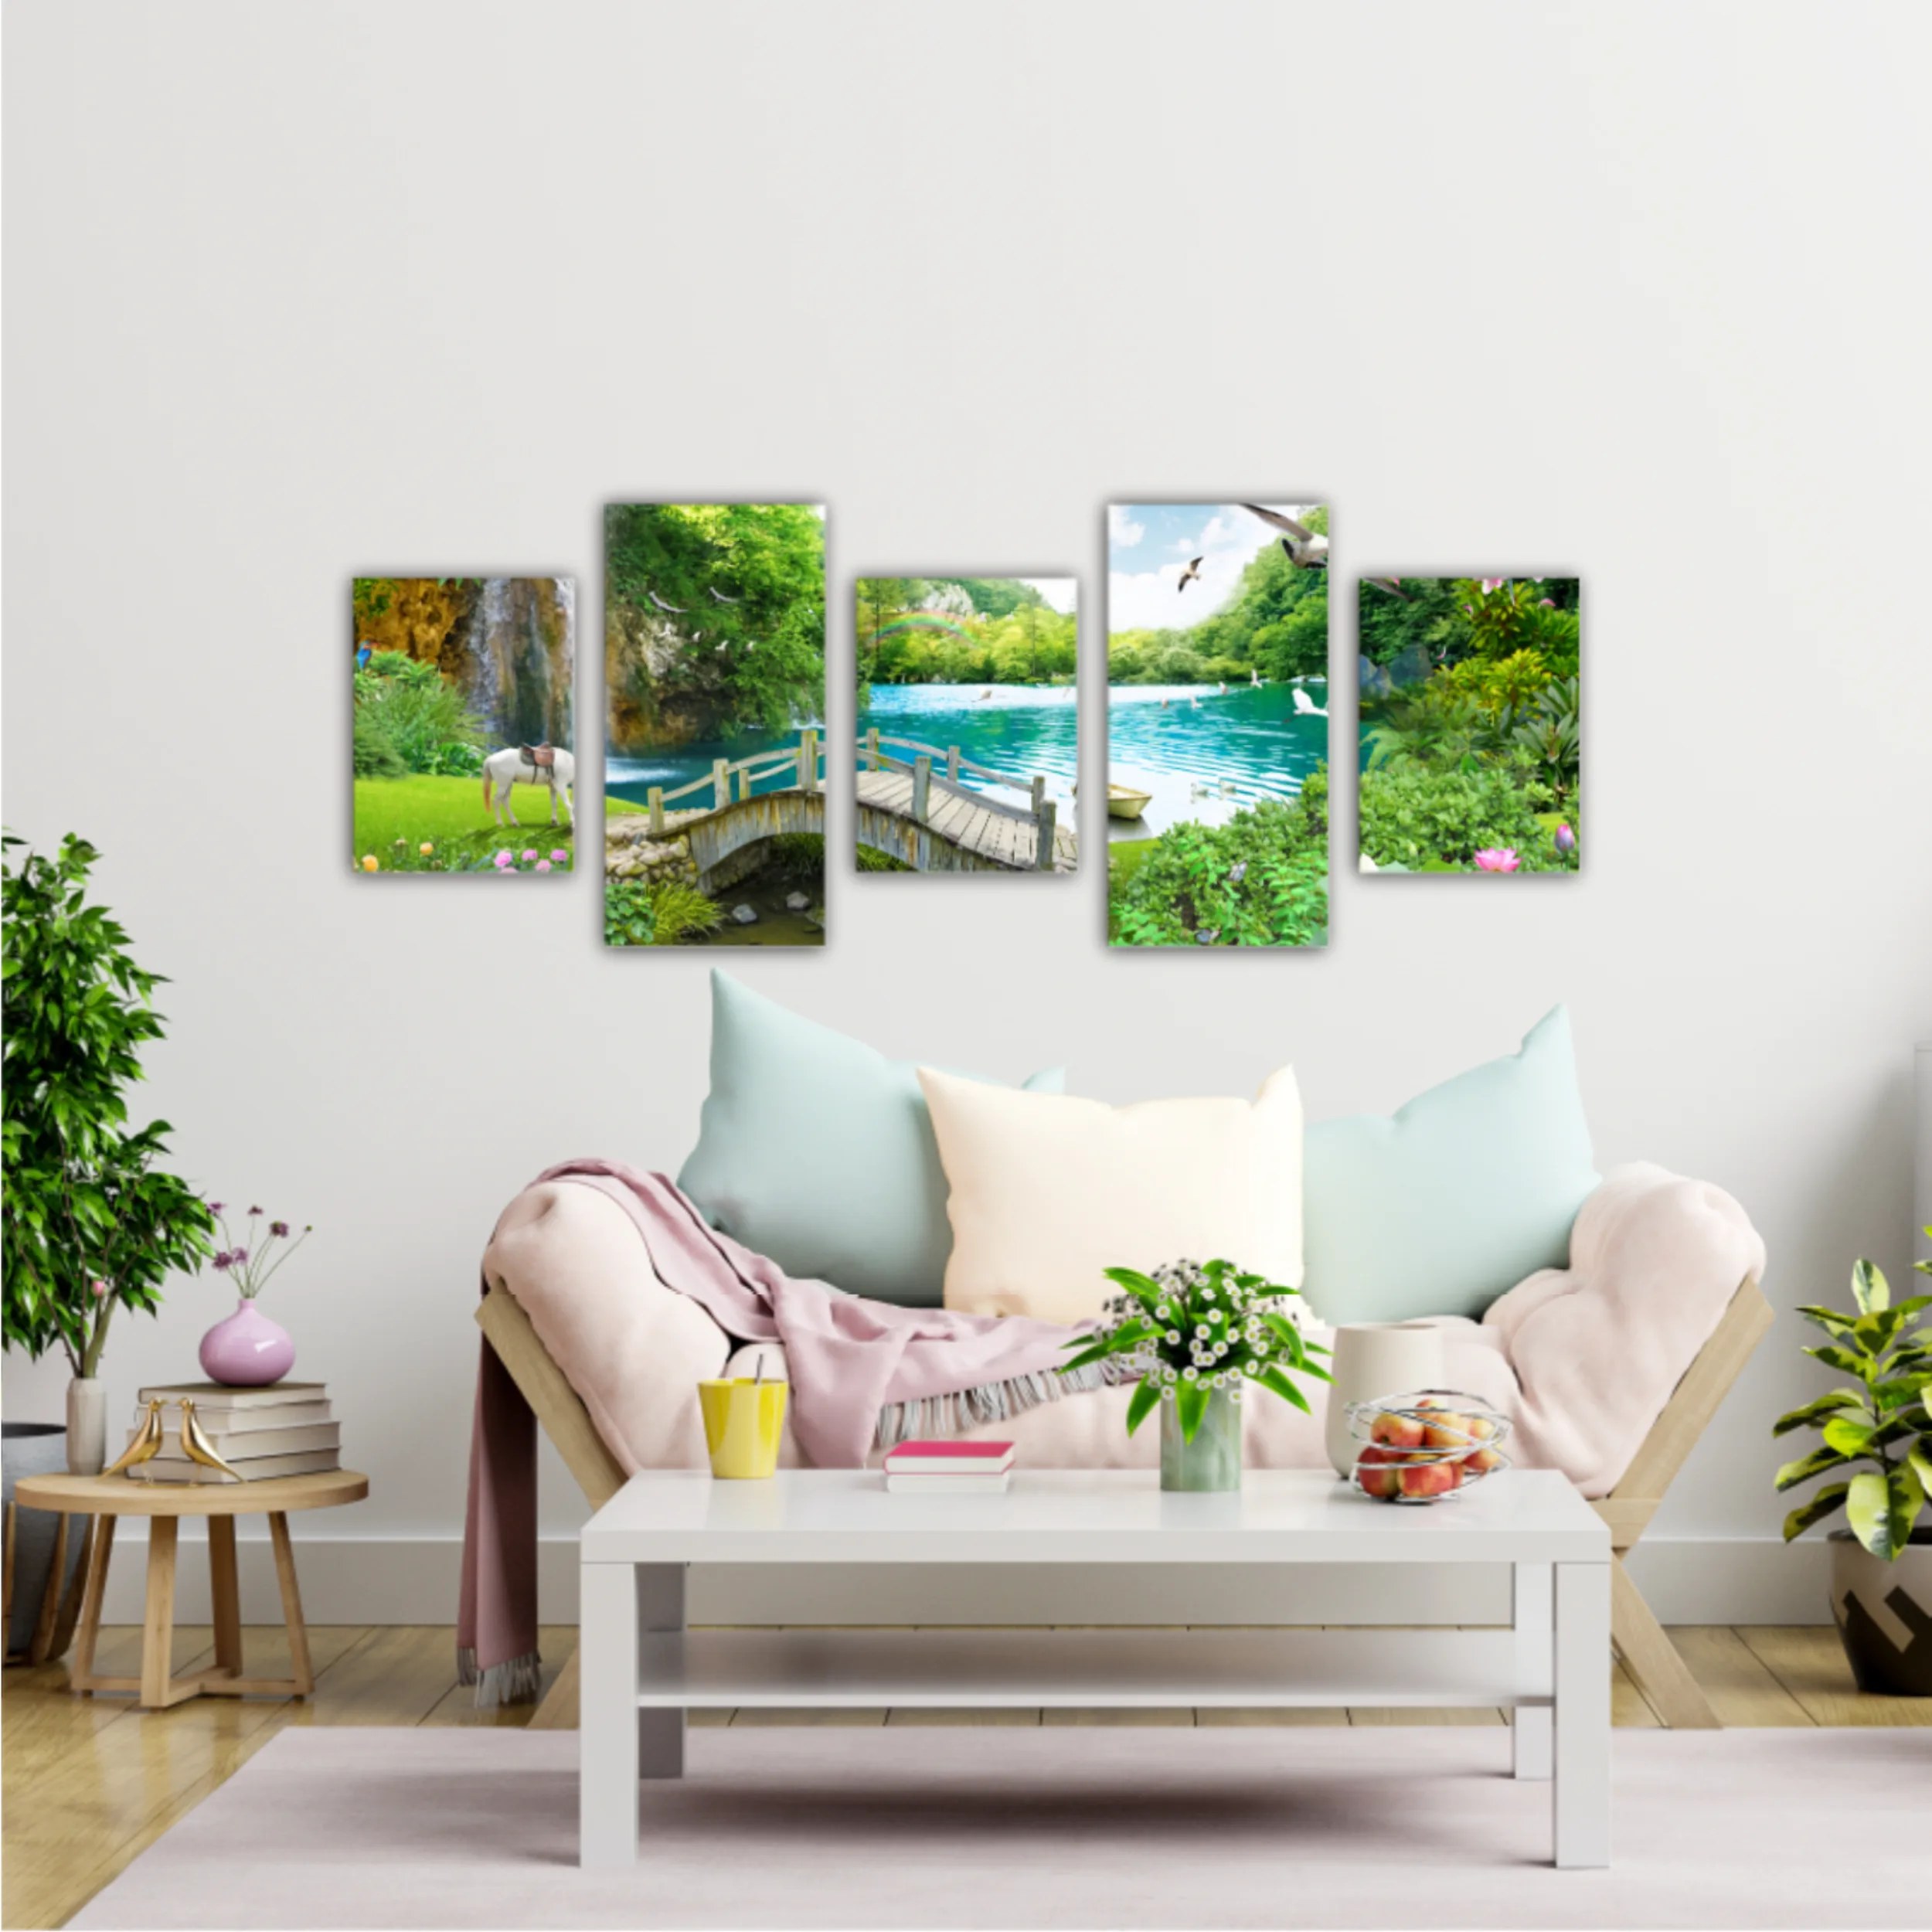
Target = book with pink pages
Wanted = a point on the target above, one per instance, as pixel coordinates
(940, 1460)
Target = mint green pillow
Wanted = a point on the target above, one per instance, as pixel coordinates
(816, 1150)
(1461, 1194)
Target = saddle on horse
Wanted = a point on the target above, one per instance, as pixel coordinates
(542, 757)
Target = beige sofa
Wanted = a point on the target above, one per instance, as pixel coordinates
(1609, 1368)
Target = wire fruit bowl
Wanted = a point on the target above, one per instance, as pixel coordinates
(1427, 1446)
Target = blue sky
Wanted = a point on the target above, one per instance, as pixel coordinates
(1148, 545)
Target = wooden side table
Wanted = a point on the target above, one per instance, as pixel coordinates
(164, 1505)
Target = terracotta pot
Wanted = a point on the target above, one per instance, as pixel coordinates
(1883, 1611)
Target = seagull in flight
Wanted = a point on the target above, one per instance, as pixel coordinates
(720, 595)
(676, 610)
(1191, 574)
(1306, 550)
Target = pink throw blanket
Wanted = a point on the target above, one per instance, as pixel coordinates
(848, 1358)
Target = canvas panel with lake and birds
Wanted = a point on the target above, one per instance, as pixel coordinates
(1217, 668)
(1470, 727)
(714, 662)
(968, 706)
(461, 725)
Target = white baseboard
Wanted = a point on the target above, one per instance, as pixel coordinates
(414, 1580)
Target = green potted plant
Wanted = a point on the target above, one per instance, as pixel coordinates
(1879, 1430)
(1197, 1336)
(93, 1222)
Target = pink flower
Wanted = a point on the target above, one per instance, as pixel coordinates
(559, 857)
(1491, 584)
(542, 865)
(502, 858)
(530, 855)
(100, 1290)
(1566, 839)
(1491, 859)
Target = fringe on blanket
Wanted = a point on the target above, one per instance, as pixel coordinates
(517, 1680)
(953, 1415)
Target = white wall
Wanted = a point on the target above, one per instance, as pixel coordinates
(297, 292)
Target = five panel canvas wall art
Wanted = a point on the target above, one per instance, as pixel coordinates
(968, 710)
(461, 729)
(1470, 726)
(966, 754)
(1217, 663)
(714, 666)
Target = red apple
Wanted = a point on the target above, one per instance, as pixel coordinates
(1398, 1431)
(1448, 1431)
(1375, 1472)
(1484, 1460)
(1430, 1478)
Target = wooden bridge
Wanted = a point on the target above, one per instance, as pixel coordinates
(916, 810)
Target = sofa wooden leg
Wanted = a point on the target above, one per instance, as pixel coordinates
(1652, 1658)
(558, 1710)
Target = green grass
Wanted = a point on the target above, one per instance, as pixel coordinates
(450, 815)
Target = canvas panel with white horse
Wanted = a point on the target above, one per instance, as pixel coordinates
(462, 724)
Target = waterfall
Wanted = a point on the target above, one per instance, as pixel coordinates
(517, 645)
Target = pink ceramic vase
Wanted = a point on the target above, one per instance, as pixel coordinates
(247, 1351)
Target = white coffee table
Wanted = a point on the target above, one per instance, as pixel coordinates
(641, 1670)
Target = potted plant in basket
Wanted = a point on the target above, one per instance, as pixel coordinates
(93, 1223)
(1197, 1336)
(1878, 1429)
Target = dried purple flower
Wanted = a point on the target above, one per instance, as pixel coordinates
(254, 1211)
(238, 1256)
(222, 1261)
(279, 1229)
(217, 1207)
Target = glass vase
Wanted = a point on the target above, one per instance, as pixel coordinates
(1212, 1460)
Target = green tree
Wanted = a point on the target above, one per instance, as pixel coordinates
(760, 657)
(92, 1223)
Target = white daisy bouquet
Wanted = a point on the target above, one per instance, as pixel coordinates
(1195, 1328)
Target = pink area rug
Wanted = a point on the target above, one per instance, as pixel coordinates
(1065, 1828)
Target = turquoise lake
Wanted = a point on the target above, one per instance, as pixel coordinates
(1201, 752)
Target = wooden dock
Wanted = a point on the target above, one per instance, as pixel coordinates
(968, 821)
(919, 809)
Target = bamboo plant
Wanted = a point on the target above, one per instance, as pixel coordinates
(1879, 1427)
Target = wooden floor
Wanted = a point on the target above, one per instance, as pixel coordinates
(89, 1782)
(967, 819)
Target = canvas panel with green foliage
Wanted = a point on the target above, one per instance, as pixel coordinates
(1470, 691)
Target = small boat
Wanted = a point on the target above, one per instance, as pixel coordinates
(1123, 801)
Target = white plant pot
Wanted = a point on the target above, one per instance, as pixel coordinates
(87, 1426)
(1376, 1358)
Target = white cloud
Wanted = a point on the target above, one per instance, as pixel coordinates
(1059, 592)
(1121, 529)
(1150, 601)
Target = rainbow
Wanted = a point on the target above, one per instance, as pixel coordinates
(925, 621)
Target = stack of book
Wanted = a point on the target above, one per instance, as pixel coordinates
(949, 1468)
(288, 1429)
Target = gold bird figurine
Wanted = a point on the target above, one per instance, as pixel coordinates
(143, 1446)
(196, 1446)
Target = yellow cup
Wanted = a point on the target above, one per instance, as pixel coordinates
(742, 1421)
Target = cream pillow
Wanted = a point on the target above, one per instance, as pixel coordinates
(1047, 1191)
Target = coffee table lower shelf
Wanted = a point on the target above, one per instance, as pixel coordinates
(795, 1669)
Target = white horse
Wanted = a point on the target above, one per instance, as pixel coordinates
(502, 769)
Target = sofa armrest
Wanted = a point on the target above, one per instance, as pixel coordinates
(633, 1350)
(1598, 1347)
